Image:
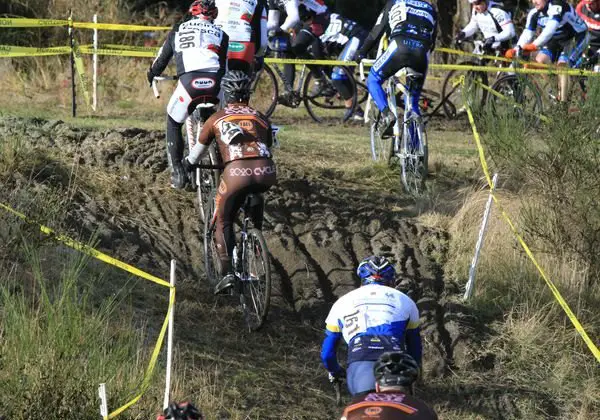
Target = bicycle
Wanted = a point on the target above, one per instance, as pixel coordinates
(205, 180)
(323, 103)
(251, 265)
(468, 89)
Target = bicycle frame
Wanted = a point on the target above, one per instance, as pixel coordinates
(286, 84)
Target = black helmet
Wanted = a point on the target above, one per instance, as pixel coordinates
(236, 86)
(181, 411)
(396, 369)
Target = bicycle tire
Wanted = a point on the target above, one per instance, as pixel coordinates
(413, 161)
(521, 98)
(207, 180)
(380, 148)
(264, 91)
(255, 280)
(455, 95)
(330, 109)
(211, 258)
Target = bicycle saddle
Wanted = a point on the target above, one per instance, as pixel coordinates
(409, 72)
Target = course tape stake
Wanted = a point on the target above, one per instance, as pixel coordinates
(590, 344)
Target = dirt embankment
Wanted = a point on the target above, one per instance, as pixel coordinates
(317, 231)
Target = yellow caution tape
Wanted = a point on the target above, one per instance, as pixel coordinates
(83, 79)
(14, 51)
(492, 69)
(122, 53)
(30, 23)
(128, 47)
(151, 365)
(488, 57)
(118, 27)
(321, 62)
(590, 344)
(133, 270)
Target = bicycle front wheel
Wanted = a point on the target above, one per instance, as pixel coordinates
(324, 103)
(457, 95)
(414, 158)
(212, 264)
(255, 280)
(264, 91)
(515, 96)
(380, 147)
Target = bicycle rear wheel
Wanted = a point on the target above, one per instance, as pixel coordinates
(326, 105)
(264, 91)
(212, 264)
(380, 147)
(255, 280)
(207, 180)
(414, 157)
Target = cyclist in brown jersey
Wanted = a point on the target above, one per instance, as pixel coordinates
(243, 136)
(395, 373)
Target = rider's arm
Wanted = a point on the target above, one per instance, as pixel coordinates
(529, 30)
(207, 134)
(223, 52)
(259, 27)
(472, 27)
(547, 33)
(505, 21)
(328, 350)
(333, 333)
(164, 55)
(413, 334)
(377, 31)
(292, 21)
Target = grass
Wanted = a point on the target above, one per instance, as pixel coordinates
(522, 359)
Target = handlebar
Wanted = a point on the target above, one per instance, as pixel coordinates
(160, 79)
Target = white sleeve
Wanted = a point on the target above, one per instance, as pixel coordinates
(547, 33)
(505, 21)
(332, 322)
(293, 16)
(273, 20)
(471, 27)
(526, 37)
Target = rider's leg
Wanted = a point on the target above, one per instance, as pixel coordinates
(546, 56)
(571, 59)
(177, 112)
(339, 78)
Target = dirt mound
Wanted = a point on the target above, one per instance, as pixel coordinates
(317, 231)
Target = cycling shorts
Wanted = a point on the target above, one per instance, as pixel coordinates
(569, 51)
(194, 88)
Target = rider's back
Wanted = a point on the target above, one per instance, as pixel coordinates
(388, 405)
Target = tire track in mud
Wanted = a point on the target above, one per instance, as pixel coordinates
(317, 232)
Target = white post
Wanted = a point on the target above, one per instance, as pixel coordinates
(103, 402)
(488, 207)
(95, 65)
(170, 338)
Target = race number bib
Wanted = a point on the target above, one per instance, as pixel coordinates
(229, 131)
(335, 25)
(397, 14)
(189, 38)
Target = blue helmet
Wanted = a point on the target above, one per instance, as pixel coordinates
(378, 270)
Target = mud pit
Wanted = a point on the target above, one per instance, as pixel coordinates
(317, 233)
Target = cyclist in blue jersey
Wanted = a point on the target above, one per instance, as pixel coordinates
(372, 320)
(412, 29)
(563, 37)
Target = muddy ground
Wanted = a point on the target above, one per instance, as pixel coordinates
(317, 232)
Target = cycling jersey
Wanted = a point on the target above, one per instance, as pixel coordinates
(372, 319)
(558, 21)
(243, 21)
(196, 44)
(241, 132)
(297, 11)
(592, 20)
(388, 405)
(413, 19)
(494, 22)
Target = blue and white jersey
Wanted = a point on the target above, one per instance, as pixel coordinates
(373, 319)
(558, 20)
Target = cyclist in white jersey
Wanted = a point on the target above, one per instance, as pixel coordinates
(494, 22)
(200, 51)
(372, 320)
(245, 21)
